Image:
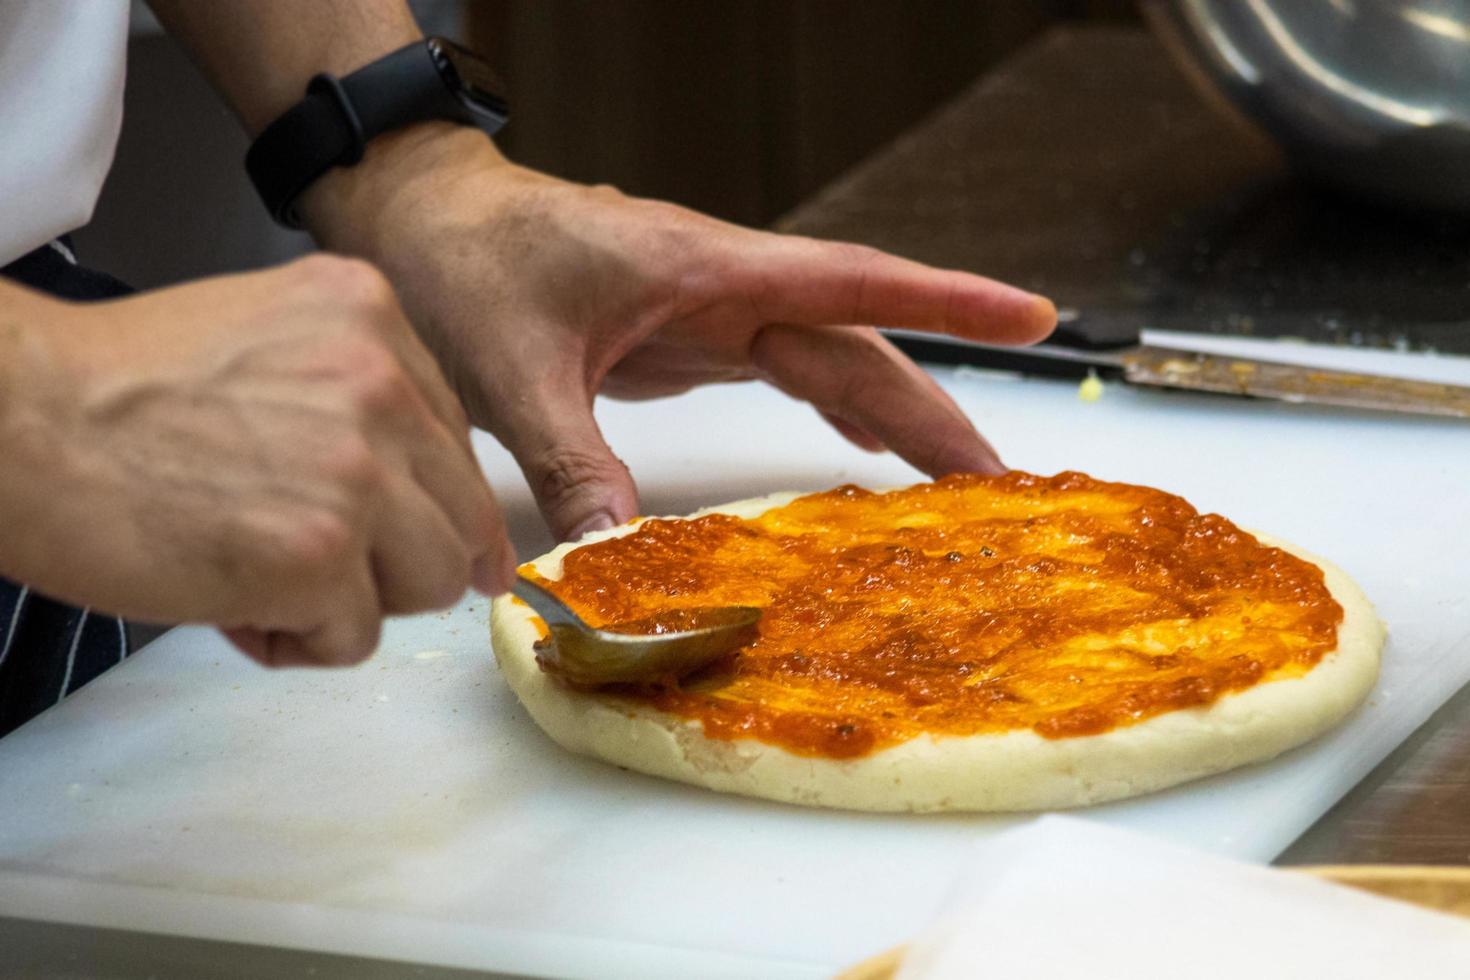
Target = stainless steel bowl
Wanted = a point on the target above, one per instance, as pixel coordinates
(1371, 95)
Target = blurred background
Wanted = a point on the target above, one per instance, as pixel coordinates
(1273, 168)
(740, 109)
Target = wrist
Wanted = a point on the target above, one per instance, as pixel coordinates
(403, 175)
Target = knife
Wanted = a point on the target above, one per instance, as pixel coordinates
(1115, 350)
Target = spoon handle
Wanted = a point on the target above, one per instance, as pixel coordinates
(547, 606)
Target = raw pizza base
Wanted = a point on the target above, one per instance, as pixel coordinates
(1009, 771)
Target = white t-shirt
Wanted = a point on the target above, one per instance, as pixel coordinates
(61, 84)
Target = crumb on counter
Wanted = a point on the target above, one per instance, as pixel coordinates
(1091, 388)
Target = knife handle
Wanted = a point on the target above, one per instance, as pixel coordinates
(1100, 333)
(1063, 354)
(1018, 359)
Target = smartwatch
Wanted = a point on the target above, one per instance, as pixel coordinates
(429, 79)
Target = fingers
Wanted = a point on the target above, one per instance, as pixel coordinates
(441, 532)
(439, 520)
(854, 376)
(348, 633)
(464, 505)
(339, 643)
(419, 559)
(443, 463)
(266, 649)
(474, 517)
(418, 508)
(801, 280)
(578, 483)
(249, 641)
(424, 370)
(861, 438)
(359, 294)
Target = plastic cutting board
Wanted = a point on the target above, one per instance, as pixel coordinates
(409, 809)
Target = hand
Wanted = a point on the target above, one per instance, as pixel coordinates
(537, 294)
(275, 453)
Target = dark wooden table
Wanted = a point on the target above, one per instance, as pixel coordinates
(1087, 168)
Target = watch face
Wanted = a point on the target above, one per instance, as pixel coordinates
(471, 77)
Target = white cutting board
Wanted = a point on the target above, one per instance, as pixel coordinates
(410, 809)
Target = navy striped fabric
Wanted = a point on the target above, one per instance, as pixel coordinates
(49, 649)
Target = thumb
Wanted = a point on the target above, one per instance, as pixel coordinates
(579, 484)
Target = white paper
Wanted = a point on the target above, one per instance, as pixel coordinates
(1062, 897)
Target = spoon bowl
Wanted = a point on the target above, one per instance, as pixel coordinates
(645, 651)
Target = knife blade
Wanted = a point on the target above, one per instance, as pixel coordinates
(1116, 351)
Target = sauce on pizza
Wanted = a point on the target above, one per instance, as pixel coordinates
(970, 605)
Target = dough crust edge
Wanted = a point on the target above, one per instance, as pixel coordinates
(1011, 771)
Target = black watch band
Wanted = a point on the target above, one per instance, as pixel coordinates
(331, 127)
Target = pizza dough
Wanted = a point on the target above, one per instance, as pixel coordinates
(1013, 770)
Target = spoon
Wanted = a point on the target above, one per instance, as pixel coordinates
(660, 648)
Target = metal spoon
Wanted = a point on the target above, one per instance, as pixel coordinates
(633, 653)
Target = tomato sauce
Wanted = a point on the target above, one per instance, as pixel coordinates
(1063, 605)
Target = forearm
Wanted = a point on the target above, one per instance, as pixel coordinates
(260, 54)
(28, 355)
(34, 387)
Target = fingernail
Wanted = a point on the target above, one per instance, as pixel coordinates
(1045, 313)
(990, 462)
(600, 521)
(993, 467)
(985, 461)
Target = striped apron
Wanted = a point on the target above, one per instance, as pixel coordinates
(47, 648)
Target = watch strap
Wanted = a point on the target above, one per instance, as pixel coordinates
(332, 125)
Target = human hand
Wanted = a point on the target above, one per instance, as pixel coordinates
(537, 294)
(275, 453)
